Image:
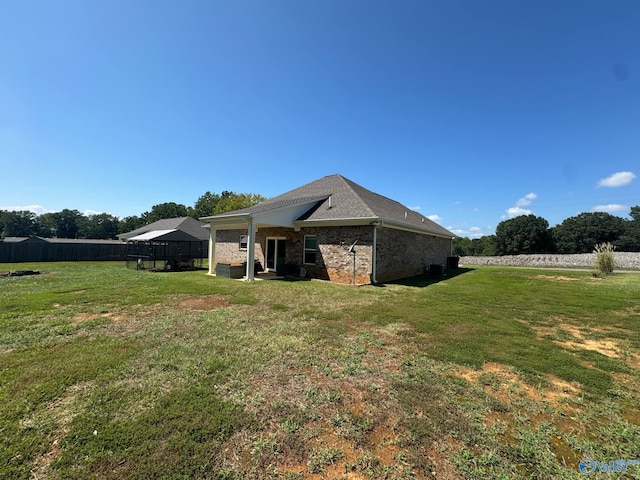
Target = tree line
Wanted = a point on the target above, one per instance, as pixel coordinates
(73, 224)
(578, 234)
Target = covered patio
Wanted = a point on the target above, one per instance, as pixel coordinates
(276, 221)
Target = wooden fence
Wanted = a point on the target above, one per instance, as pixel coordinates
(61, 252)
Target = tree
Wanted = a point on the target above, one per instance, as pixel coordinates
(127, 224)
(205, 205)
(462, 246)
(485, 245)
(18, 223)
(165, 210)
(230, 201)
(64, 224)
(523, 234)
(629, 241)
(581, 233)
(101, 225)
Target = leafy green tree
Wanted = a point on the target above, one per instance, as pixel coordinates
(47, 225)
(462, 246)
(101, 225)
(485, 245)
(629, 241)
(18, 223)
(127, 224)
(581, 233)
(64, 224)
(523, 234)
(230, 201)
(205, 205)
(165, 210)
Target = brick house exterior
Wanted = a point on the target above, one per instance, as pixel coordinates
(331, 229)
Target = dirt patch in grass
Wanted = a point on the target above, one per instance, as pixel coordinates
(606, 347)
(503, 383)
(62, 411)
(83, 317)
(202, 304)
(330, 416)
(574, 337)
(555, 278)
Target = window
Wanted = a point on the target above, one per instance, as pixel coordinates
(310, 249)
(243, 241)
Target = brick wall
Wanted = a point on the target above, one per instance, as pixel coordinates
(334, 261)
(404, 254)
(400, 254)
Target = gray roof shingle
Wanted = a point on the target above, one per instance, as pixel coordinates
(341, 199)
(186, 224)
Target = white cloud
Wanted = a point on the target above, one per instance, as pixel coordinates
(472, 232)
(526, 200)
(618, 179)
(612, 207)
(37, 209)
(435, 218)
(416, 208)
(517, 211)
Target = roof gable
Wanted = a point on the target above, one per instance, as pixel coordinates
(338, 199)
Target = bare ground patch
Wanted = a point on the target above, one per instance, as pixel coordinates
(575, 337)
(329, 419)
(83, 317)
(554, 278)
(62, 411)
(503, 383)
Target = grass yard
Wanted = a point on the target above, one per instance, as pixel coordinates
(487, 373)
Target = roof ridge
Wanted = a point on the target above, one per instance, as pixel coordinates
(350, 184)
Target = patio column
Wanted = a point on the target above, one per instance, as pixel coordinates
(251, 251)
(212, 250)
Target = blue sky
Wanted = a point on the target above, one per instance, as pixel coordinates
(468, 111)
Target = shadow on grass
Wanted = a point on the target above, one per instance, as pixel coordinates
(422, 281)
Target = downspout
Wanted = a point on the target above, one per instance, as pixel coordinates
(251, 251)
(212, 250)
(374, 254)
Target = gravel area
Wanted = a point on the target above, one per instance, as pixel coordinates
(624, 260)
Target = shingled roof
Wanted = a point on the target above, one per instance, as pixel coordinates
(186, 224)
(335, 199)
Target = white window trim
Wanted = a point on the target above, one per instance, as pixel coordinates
(246, 242)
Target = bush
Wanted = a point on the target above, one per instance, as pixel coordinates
(605, 261)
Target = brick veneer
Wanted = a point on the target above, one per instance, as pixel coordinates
(400, 254)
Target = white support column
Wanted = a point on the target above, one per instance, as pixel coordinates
(212, 250)
(251, 251)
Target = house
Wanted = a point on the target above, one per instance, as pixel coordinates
(330, 229)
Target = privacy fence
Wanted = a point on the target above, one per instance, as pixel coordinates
(61, 252)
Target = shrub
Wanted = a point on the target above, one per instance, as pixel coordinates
(604, 258)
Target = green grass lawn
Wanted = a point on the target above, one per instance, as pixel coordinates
(486, 373)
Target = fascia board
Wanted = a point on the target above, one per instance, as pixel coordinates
(336, 222)
(409, 228)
